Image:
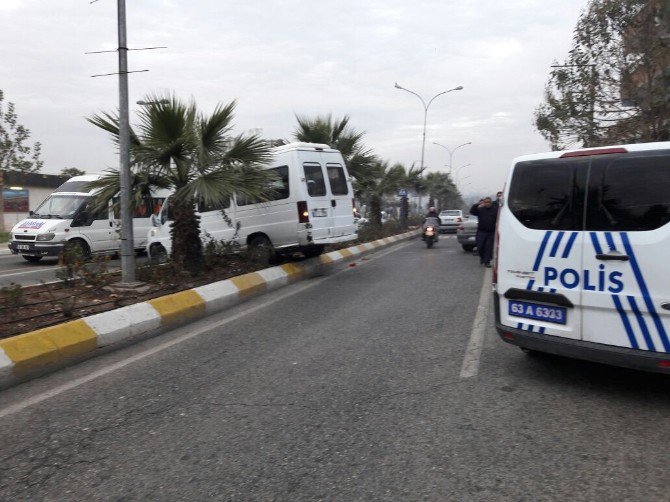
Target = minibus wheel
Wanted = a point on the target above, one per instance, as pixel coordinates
(78, 248)
(312, 251)
(261, 250)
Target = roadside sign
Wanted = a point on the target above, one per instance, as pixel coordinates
(402, 192)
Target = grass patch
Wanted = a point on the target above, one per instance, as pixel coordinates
(4, 237)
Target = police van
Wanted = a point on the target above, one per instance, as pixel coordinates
(582, 247)
(312, 205)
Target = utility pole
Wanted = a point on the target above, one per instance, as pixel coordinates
(127, 244)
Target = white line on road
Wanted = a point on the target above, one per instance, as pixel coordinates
(476, 344)
(38, 398)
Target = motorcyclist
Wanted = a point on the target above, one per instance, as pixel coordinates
(434, 219)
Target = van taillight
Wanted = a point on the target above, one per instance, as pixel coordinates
(303, 213)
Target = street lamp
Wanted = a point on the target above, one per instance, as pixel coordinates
(451, 152)
(425, 112)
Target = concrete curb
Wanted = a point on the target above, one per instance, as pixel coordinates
(25, 356)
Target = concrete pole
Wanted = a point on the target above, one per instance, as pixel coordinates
(127, 246)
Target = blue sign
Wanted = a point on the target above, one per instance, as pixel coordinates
(402, 192)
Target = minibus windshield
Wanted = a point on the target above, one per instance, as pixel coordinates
(60, 206)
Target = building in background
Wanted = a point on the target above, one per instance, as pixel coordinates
(22, 193)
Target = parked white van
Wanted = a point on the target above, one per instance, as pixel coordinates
(312, 207)
(581, 267)
(68, 217)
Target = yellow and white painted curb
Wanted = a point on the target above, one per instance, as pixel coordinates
(29, 354)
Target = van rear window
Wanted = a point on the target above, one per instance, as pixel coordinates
(337, 179)
(630, 193)
(549, 194)
(316, 185)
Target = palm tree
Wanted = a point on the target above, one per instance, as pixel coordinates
(179, 148)
(442, 191)
(339, 135)
(378, 181)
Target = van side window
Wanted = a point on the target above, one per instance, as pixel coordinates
(549, 194)
(316, 185)
(629, 193)
(143, 208)
(280, 187)
(337, 179)
(203, 207)
(245, 200)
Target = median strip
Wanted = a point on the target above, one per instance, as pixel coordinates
(30, 354)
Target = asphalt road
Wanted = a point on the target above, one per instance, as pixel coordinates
(345, 387)
(14, 269)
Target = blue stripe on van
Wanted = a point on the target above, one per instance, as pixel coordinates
(640, 321)
(610, 241)
(540, 252)
(557, 243)
(596, 243)
(645, 291)
(626, 323)
(568, 247)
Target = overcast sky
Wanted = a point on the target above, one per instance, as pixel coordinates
(281, 58)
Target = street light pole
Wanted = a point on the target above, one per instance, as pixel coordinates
(451, 152)
(425, 112)
(127, 245)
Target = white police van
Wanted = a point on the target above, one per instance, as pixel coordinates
(582, 248)
(312, 206)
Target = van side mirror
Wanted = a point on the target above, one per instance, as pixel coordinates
(31, 212)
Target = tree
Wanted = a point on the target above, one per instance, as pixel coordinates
(71, 171)
(443, 193)
(15, 154)
(377, 182)
(177, 147)
(339, 135)
(612, 86)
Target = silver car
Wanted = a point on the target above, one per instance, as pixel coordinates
(450, 220)
(466, 233)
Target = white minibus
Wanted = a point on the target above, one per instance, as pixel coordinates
(68, 217)
(312, 206)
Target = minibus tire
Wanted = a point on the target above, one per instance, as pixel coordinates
(32, 259)
(80, 245)
(159, 255)
(262, 251)
(312, 251)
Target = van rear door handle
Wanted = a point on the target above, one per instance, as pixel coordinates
(665, 306)
(608, 257)
(333, 202)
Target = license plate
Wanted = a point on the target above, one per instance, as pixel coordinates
(546, 313)
(22, 246)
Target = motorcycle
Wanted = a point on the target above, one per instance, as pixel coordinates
(429, 235)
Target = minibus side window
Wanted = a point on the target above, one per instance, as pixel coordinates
(203, 207)
(629, 193)
(280, 186)
(549, 195)
(316, 185)
(337, 179)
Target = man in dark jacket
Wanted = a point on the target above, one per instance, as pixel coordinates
(487, 214)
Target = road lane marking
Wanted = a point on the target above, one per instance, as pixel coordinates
(38, 398)
(473, 353)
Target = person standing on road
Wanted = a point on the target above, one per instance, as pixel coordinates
(487, 214)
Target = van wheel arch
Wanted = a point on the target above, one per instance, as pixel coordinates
(79, 244)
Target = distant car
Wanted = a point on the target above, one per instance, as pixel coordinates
(450, 220)
(466, 233)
